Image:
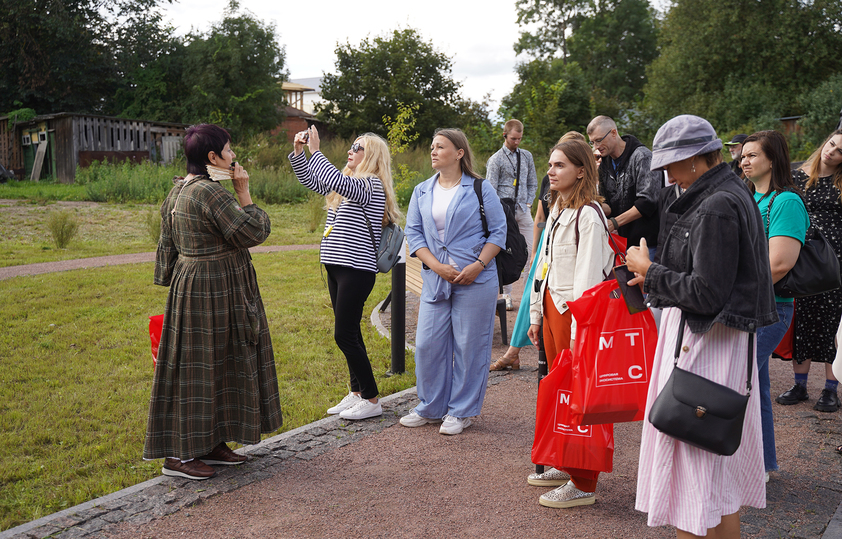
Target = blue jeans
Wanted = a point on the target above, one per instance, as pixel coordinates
(768, 338)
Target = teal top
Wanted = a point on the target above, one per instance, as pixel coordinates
(789, 218)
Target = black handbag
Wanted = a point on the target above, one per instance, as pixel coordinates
(699, 412)
(816, 270)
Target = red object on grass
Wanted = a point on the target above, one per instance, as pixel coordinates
(156, 326)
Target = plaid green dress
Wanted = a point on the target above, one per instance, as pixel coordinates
(215, 380)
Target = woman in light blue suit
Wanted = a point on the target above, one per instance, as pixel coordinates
(456, 317)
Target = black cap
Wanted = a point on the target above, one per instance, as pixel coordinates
(738, 139)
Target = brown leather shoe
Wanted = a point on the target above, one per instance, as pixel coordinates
(222, 455)
(195, 469)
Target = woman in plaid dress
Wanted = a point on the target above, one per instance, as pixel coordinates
(215, 379)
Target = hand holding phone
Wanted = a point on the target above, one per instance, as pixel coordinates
(632, 295)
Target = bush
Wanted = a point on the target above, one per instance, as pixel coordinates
(63, 226)
(152, 223)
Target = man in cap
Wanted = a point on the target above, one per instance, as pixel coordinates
(511, 172)
(629, 186)
(736, 149)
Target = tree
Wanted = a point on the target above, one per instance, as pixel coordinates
(750, 60)
(233, 75)
(554, 18)
(372, 78)
(613, 44)
(550, 99)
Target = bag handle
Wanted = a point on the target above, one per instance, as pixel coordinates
(478, 191)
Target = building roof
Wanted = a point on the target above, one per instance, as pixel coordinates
(313, 82)
(293, 87)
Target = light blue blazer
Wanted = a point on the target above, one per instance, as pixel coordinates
(464, 237)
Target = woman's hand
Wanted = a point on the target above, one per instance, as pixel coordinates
(299, 141)
(313, 143)
(468, 273)
(241, 185)
(637, 260)
(533, 333)
(445, 271)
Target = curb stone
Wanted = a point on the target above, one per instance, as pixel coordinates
(165, 495)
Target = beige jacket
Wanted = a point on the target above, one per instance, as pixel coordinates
(571, 271)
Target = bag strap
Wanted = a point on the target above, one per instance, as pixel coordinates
(683, 323)
(478, 191)
(517, 175)
(615, 247)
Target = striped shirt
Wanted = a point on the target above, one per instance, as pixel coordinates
(346, 240)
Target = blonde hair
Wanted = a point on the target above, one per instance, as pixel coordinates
(376, 163)
(512, 125)
(572, 135)
(812, 165)
(586, 190)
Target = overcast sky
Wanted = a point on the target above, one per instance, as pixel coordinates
(477, 36)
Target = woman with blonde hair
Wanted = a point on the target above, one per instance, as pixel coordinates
(360, 201)
(816, 317)
(575, 257)
(445, 231)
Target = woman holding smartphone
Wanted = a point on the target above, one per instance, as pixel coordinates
(360, 200)
(567, 268)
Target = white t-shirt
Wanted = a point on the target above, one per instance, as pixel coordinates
(441, 201)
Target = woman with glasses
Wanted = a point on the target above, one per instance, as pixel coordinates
(360, 200)
(456, 317)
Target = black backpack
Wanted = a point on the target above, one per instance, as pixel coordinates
(512, 259)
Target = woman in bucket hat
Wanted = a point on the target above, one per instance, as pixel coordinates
(715, 269)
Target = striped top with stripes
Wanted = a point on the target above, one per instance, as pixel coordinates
(346, 240)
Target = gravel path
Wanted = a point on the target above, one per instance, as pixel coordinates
(376, 478)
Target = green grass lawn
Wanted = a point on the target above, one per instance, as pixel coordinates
(76, 368)
(113, 229)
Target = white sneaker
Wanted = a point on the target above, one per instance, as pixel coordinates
(510, 306)
(347, 401)
(767, 477)
(454, 425)
(566, 496)
(550, 478)
(362, 410)
(412, 419)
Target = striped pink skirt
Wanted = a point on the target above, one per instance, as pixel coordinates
(687, 487)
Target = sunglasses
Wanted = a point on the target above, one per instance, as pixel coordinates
(356, 147)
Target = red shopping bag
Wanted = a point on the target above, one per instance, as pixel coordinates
(619, 245)
(786, 346)
(559, 444)
(612, 359)
(156, 326)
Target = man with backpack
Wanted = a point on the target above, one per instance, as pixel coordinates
(511, 171)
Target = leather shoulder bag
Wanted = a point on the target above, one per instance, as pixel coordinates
(817, 269)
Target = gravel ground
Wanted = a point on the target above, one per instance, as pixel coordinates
(403, 482)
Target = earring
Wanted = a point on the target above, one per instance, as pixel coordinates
(694, 167)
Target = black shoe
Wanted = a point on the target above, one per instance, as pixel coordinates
(828, 402)
(794, 395)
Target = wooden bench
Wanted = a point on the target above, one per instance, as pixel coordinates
(414, 283)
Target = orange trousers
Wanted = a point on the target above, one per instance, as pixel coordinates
(557, 338)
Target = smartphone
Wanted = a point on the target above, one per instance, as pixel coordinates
(632, 295)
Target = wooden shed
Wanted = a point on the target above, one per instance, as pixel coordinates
(55, 144)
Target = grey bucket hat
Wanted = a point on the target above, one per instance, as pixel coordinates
(681, 138)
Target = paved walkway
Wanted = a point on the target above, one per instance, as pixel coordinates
(374, 478)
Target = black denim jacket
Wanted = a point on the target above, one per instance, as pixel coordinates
(727, 277)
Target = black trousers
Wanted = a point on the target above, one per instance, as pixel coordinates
(349, 289)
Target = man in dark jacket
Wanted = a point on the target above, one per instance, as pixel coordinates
(629, 187)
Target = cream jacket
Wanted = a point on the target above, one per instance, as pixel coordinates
(571, 271)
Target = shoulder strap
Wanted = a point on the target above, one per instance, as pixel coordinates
(517, 175)
(614, 246)
(478, 191)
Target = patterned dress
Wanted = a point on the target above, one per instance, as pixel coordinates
(817, 317)
(215, 380)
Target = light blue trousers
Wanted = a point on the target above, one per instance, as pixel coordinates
(453, 351)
